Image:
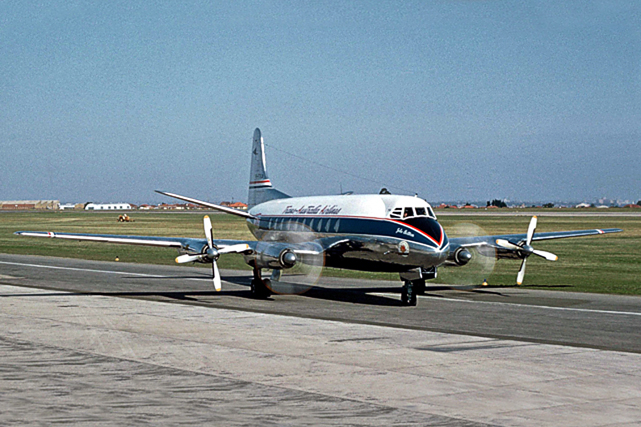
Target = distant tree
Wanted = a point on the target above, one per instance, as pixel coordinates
(639, 203)
(498, 203)
(548, 205)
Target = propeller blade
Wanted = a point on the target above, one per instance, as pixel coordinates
(182, 259)
(216, 276)
(209, 232)
(547, 255)
(241, 247)
(521, 275)
(507, 244)
(531, 229)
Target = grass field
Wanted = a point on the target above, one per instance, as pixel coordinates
(604, 264)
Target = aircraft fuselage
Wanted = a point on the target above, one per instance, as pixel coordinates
(384, 232)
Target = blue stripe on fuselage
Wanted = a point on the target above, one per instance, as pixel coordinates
(352, 225)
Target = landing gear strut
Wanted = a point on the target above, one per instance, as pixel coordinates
(259, 286)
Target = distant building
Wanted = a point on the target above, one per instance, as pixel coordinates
(582, 205)
(236, 205)
(67, 206)
(30, 204)
(107, 207)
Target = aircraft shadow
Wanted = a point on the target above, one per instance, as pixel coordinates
(355, 295)
(361, 295)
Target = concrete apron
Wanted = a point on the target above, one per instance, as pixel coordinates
(80, 359)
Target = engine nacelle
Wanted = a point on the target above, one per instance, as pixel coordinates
(274, 256)
(460, 257)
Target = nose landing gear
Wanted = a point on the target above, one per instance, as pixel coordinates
(414, 284)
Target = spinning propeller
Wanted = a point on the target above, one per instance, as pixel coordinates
(525, 249)
(212, 253)
(479, 263)
(296, 239)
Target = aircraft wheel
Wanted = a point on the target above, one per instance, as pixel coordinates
(408, 294)
(259, 289)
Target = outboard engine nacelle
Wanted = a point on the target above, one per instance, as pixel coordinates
(274, 256)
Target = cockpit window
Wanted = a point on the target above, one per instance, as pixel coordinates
(409, 212)
(396, 213)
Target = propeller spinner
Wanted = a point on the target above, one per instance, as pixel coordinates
(526, 249)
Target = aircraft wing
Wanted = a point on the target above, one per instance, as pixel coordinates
(183, 243)
(518, 239)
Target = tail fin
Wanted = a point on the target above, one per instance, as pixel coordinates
(260, 187)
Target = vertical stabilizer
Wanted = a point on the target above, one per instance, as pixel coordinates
(260, 187)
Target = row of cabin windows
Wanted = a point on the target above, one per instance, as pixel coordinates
(402, 213)
(307, 224)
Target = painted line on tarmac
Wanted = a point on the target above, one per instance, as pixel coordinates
(547, 307)
(89, 270)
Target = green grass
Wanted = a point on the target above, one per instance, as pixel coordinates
(604, 264)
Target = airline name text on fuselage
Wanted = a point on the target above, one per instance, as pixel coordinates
(313, 210)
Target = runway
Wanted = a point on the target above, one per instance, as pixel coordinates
(85, 341)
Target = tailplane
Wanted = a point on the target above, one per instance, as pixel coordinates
(260, 187)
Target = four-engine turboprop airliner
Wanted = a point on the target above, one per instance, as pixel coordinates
(371, 232)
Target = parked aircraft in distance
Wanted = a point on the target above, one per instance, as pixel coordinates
(370, 232)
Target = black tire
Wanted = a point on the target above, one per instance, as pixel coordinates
(259, 290)
(408, 294)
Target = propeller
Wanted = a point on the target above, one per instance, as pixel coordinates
(310, 259)
(481, 264)
(525, 249)
(212, 253)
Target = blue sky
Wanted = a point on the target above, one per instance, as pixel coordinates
(454, 100)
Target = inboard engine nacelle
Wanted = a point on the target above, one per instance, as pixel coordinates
(274, 256)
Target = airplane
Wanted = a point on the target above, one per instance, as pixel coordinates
(368, 232)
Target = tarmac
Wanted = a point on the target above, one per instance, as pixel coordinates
(95, 343)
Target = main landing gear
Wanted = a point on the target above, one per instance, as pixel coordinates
(259, 286)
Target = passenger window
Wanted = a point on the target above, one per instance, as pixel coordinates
(408, 212)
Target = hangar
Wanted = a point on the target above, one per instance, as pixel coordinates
(16, 205)
(107, 207)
